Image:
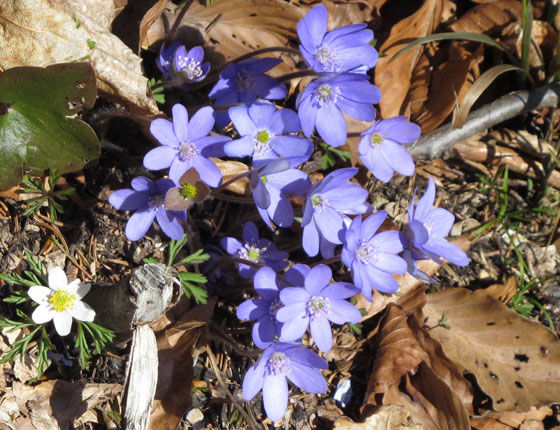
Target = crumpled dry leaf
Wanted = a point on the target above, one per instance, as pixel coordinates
(509, 420)
(175, 372)
(404, 352)
(502, 292)
(489, 17)
(385, 418)
(516, 361)
(44, 32)
(230, 169)
(55, 404)
(448, 87)
(393, 77)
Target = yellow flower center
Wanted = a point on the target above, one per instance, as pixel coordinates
(189, 191)
(62, 301)
(263, 136)
(376, 139)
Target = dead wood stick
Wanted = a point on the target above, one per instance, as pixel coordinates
(433, 144)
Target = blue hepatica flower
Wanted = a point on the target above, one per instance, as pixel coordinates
(262, 129)
(426, 230)
(165, 60)
(185, 144)
(271, 185)
(324, 100)
(341, 50)
(278, 363)
(189, 64)
(382, 151)
(263, 309)
(260, 251)
(147, 198)
(246, 81)
(326, 209)
(372, 256)
(316, 305)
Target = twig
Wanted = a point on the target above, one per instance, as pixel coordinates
(252, 424)
(432, 145)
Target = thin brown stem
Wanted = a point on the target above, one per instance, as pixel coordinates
(179, 19)
(298, 74)
(235, 199)
(230, 260)
(264, 51)
(232, 180)
(327, 261)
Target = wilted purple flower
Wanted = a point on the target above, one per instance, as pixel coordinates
(344, 49)
(322, 102)
(189, 64)
(326, 207)
(426, 230)
(279, 362)
(246, 81)
(166, 59)
(316, 305)
(186, 144)
(259, 251)
(382, 151)
(262, 130)
(372, 256)
(146, 198)
(271, 185)
(190, 190)
(263, 309)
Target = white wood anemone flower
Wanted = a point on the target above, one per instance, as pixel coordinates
(60, 302)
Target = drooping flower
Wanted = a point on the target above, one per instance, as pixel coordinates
(262, 129)
(190, 190)
(189, 64)
(185, 144)
(324, 100)
(382, 151)
(166, 59)
(259, 251)
(147, 199)
(372, 256)
(246, 81)
(263, 309)
(345, 49)
(271, 185)
(278, 363)
(316, 305)
(60, 301)
(326, 209)
(426, 230)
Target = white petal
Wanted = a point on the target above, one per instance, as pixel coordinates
(62, 323)
(82, 311)
(57, 279)
(42, 315)
(78, 288)
(39, 293)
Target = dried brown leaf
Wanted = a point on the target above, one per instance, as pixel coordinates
(449, 85)
(44, 32)
(175, 372)
(393, 77)
(230, 169)
(489, 17)
(151, 16)
(502, 292)
(55, 404)
(385, 418)
(516, 361)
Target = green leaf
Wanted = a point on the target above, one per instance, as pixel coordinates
(38, 127)
(193, 277)
(90, 43)
(473, 37)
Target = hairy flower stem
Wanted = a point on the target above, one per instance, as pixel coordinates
(298, 74)
(234, 199)
(285, 49)
(327, 261)
(178, 20)
(232, 180)
(230, 260)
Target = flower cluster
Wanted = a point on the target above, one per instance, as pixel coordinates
(291, 300)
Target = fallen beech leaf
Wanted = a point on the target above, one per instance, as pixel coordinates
(502, 292)
(230, 169)
(449, 85)
(175, 371)
(523, 420)
(385, 418)
(393, 77)
(417, 410)
(516, 361)
(55, 404)
(488, 17)
(153, 14)
(44, 32)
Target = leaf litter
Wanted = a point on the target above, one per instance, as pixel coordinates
(451, 358)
